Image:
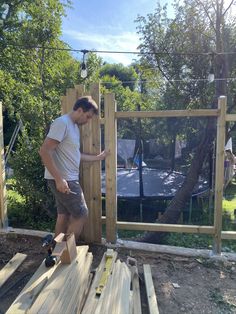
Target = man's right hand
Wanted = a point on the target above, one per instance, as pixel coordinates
(62, 186)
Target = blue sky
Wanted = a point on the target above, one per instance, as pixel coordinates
(106, 25)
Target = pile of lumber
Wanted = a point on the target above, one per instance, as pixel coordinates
(73, 288)
(59, 289)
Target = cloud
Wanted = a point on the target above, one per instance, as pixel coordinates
(125, 41)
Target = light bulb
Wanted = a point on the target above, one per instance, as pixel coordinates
(83, 72)
(211, 77)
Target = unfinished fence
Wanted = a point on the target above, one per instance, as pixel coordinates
(91, 172)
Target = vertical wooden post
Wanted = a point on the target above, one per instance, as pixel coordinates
(3, 194)
(91, 173)
(111, 163)
(71, 97)
(219, 173)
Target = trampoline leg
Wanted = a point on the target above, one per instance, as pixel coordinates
(141, 211)
(190, 210)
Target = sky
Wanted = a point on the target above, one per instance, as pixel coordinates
(106, 25)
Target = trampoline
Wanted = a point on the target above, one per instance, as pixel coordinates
(157, 184)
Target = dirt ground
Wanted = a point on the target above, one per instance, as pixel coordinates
(182, 285)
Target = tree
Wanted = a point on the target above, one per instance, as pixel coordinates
(180, 48)
(34, 72)
(125, 74)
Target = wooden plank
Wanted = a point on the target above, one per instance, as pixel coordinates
(136, 299)
(219, 174)
(115, 298)
(109, 295)
(87, 176)
(92, 173)
(151, 295)
(27, 299)
(160, 248)
(61, 282)
(125, 225)
(228, 235)
(111, 163)
(11, 267)
(230, 117)
(168, 113)
(82, 303)
(28, 232)
(71, 97)
(28, 295)
(59, 248)
(124, 291)
(72, 294)
(96, 200)
(92, 300)
(63, 105)
(3, 194)
(80, 90)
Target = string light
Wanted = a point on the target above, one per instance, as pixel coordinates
(83, 68)
(211, 75)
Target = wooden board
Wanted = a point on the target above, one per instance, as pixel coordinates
(110, 165)
(61, 282)
(151, 295)
(32, 289)
(92, 300)
(11, 267)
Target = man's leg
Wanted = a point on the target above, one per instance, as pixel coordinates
(76, 226)
(61, 223)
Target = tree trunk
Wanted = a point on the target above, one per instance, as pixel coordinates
(172, 213)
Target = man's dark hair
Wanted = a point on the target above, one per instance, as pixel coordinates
(86, 103)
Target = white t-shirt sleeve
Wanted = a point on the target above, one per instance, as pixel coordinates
(57, 130)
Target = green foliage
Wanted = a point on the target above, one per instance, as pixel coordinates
(126, 75)
(177, 52)
(21, 216)
(31, 84)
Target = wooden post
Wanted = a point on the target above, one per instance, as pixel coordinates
(219, 173)
(3, 194)
(111, 163)
(91, 173)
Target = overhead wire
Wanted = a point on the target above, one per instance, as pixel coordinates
(119, 52)
(85, 51)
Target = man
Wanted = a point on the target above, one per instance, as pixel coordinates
(61, 156)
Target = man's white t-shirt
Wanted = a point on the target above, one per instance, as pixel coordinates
(67, 154)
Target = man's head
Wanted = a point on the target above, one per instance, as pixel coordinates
(84, 109)
(87, 104)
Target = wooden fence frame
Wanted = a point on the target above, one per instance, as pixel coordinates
(91, 172)
(111, 116)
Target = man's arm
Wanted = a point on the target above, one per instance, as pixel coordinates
(45, 152)
(101, 156)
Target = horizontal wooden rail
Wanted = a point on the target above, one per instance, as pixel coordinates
(228, 235)
(168, 113)
(124, 225)
(230, 117)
